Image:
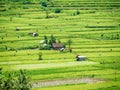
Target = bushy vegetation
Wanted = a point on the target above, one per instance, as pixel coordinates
(40, 56)
(44, 4)
(57, 10)
(46, 44)
(13, 81)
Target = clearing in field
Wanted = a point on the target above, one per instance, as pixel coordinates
(66, 81)
(53, 65)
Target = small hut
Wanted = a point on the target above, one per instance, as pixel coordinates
(33, 34)
(80, 58)
(17, 29)
(57, 46)
(62, 49)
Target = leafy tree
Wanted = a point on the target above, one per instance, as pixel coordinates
(46, 39)
(77, 12)
(6, 48)
(9, 83)
(52, 40)
(2, 38)
(23, 81)
(44, 4)
(102, 36)
(57, 10)
(40, 56)
(12, 81)
(117, 36)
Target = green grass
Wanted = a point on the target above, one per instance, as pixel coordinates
(96, 17)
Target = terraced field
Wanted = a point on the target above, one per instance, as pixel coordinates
(93, 26)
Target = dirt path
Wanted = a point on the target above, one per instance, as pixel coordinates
(65, 81)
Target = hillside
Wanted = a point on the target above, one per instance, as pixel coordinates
(92, 26)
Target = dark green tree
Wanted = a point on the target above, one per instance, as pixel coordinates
(117, 36)
(53, 39)
(23, 82)
(46, 39)
(40, 56)
(44, 4)
(13, 81)
(2, 38)
(77, 12)
(6, 48)
(102, 36)
(45, 7)
(57, 10)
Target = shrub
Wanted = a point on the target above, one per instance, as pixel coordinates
(46, 39)
(117, 36)
(13, 81)
(40, 56)
(77, 12)
(44, 4)
(92, 12)
(57, 10)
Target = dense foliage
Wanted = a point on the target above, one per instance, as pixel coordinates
(13, 81)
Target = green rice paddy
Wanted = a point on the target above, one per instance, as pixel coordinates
(19, 50)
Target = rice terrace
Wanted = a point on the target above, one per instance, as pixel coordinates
(59, 44)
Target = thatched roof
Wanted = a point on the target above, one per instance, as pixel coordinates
(57, 45)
